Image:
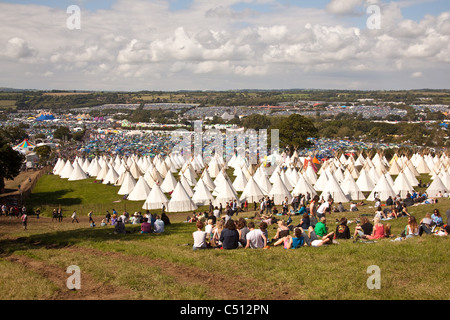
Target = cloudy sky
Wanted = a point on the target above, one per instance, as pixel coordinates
(133, 45)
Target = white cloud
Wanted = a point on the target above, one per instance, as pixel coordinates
(139, 44)
(344, 7)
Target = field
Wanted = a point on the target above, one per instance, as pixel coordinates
(5, 104)
(164, 266)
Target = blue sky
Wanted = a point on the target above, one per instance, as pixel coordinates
(222, 45)
(416, 10)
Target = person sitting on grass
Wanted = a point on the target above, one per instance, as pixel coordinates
(243, 230)
(311, 239)
(364, 228)
(229, 236)
(437, 218)
(321, 229)
(282, 230)
(200, 241)
(444, 231)
(256, 238)
(342, 230)
(290, 242)
(119, 227)
(146, 227)
(216, 233)
(158, 225)
(377, 232)
(426, 225)
(411, 230)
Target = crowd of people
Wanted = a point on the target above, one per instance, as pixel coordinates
(220, 228)
(215, 231)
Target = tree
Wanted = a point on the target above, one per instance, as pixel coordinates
(294, 131)
(14, 134)
(10, 162)
(62, 133)
(43, 152)
(256, 121)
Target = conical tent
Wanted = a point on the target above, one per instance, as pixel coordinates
(322, 180)
(422, 166)
(303, 187)
(77, 173)
(156, 199)
(134, 170)
(59, 166)
(286, 181)
(180, 200)
(67, 170)
(437, 186)
(190, 177)
(279, 191)
(169, 183)
(202, 195)
(103, 171)
(240, 182)
(207, 180)
(252, 192)
(140, 191)
(264, 183)
(333, 189)
(225, 193)
(382, 190)
(401, 185)
(127, 184)
(186, 186)
(410, 176)
(365, 182)
(95, 168)
(111, 177)
(351, 189)
(394, 169)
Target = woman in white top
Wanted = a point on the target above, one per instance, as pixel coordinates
(412, 229)
(199, 236)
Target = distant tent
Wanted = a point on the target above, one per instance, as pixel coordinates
(279, 191)
(77, 173)
(140, 191)
(66, 171)
(252, 192)
(45, 116)
(25, 144)
(156, 199)
(382, 190)
(333, 189)
(180, 200)
(202, 194)
(435, 187)
(128, 184)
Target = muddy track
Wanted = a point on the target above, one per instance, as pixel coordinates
(220, 286)
(91, 290)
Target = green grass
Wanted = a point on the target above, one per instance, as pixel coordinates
(413, 269)
(83, 196)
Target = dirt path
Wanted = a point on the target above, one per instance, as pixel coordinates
(219, 286)
(90, 290)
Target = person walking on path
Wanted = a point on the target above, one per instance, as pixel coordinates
(74, 217)
(24, 220)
